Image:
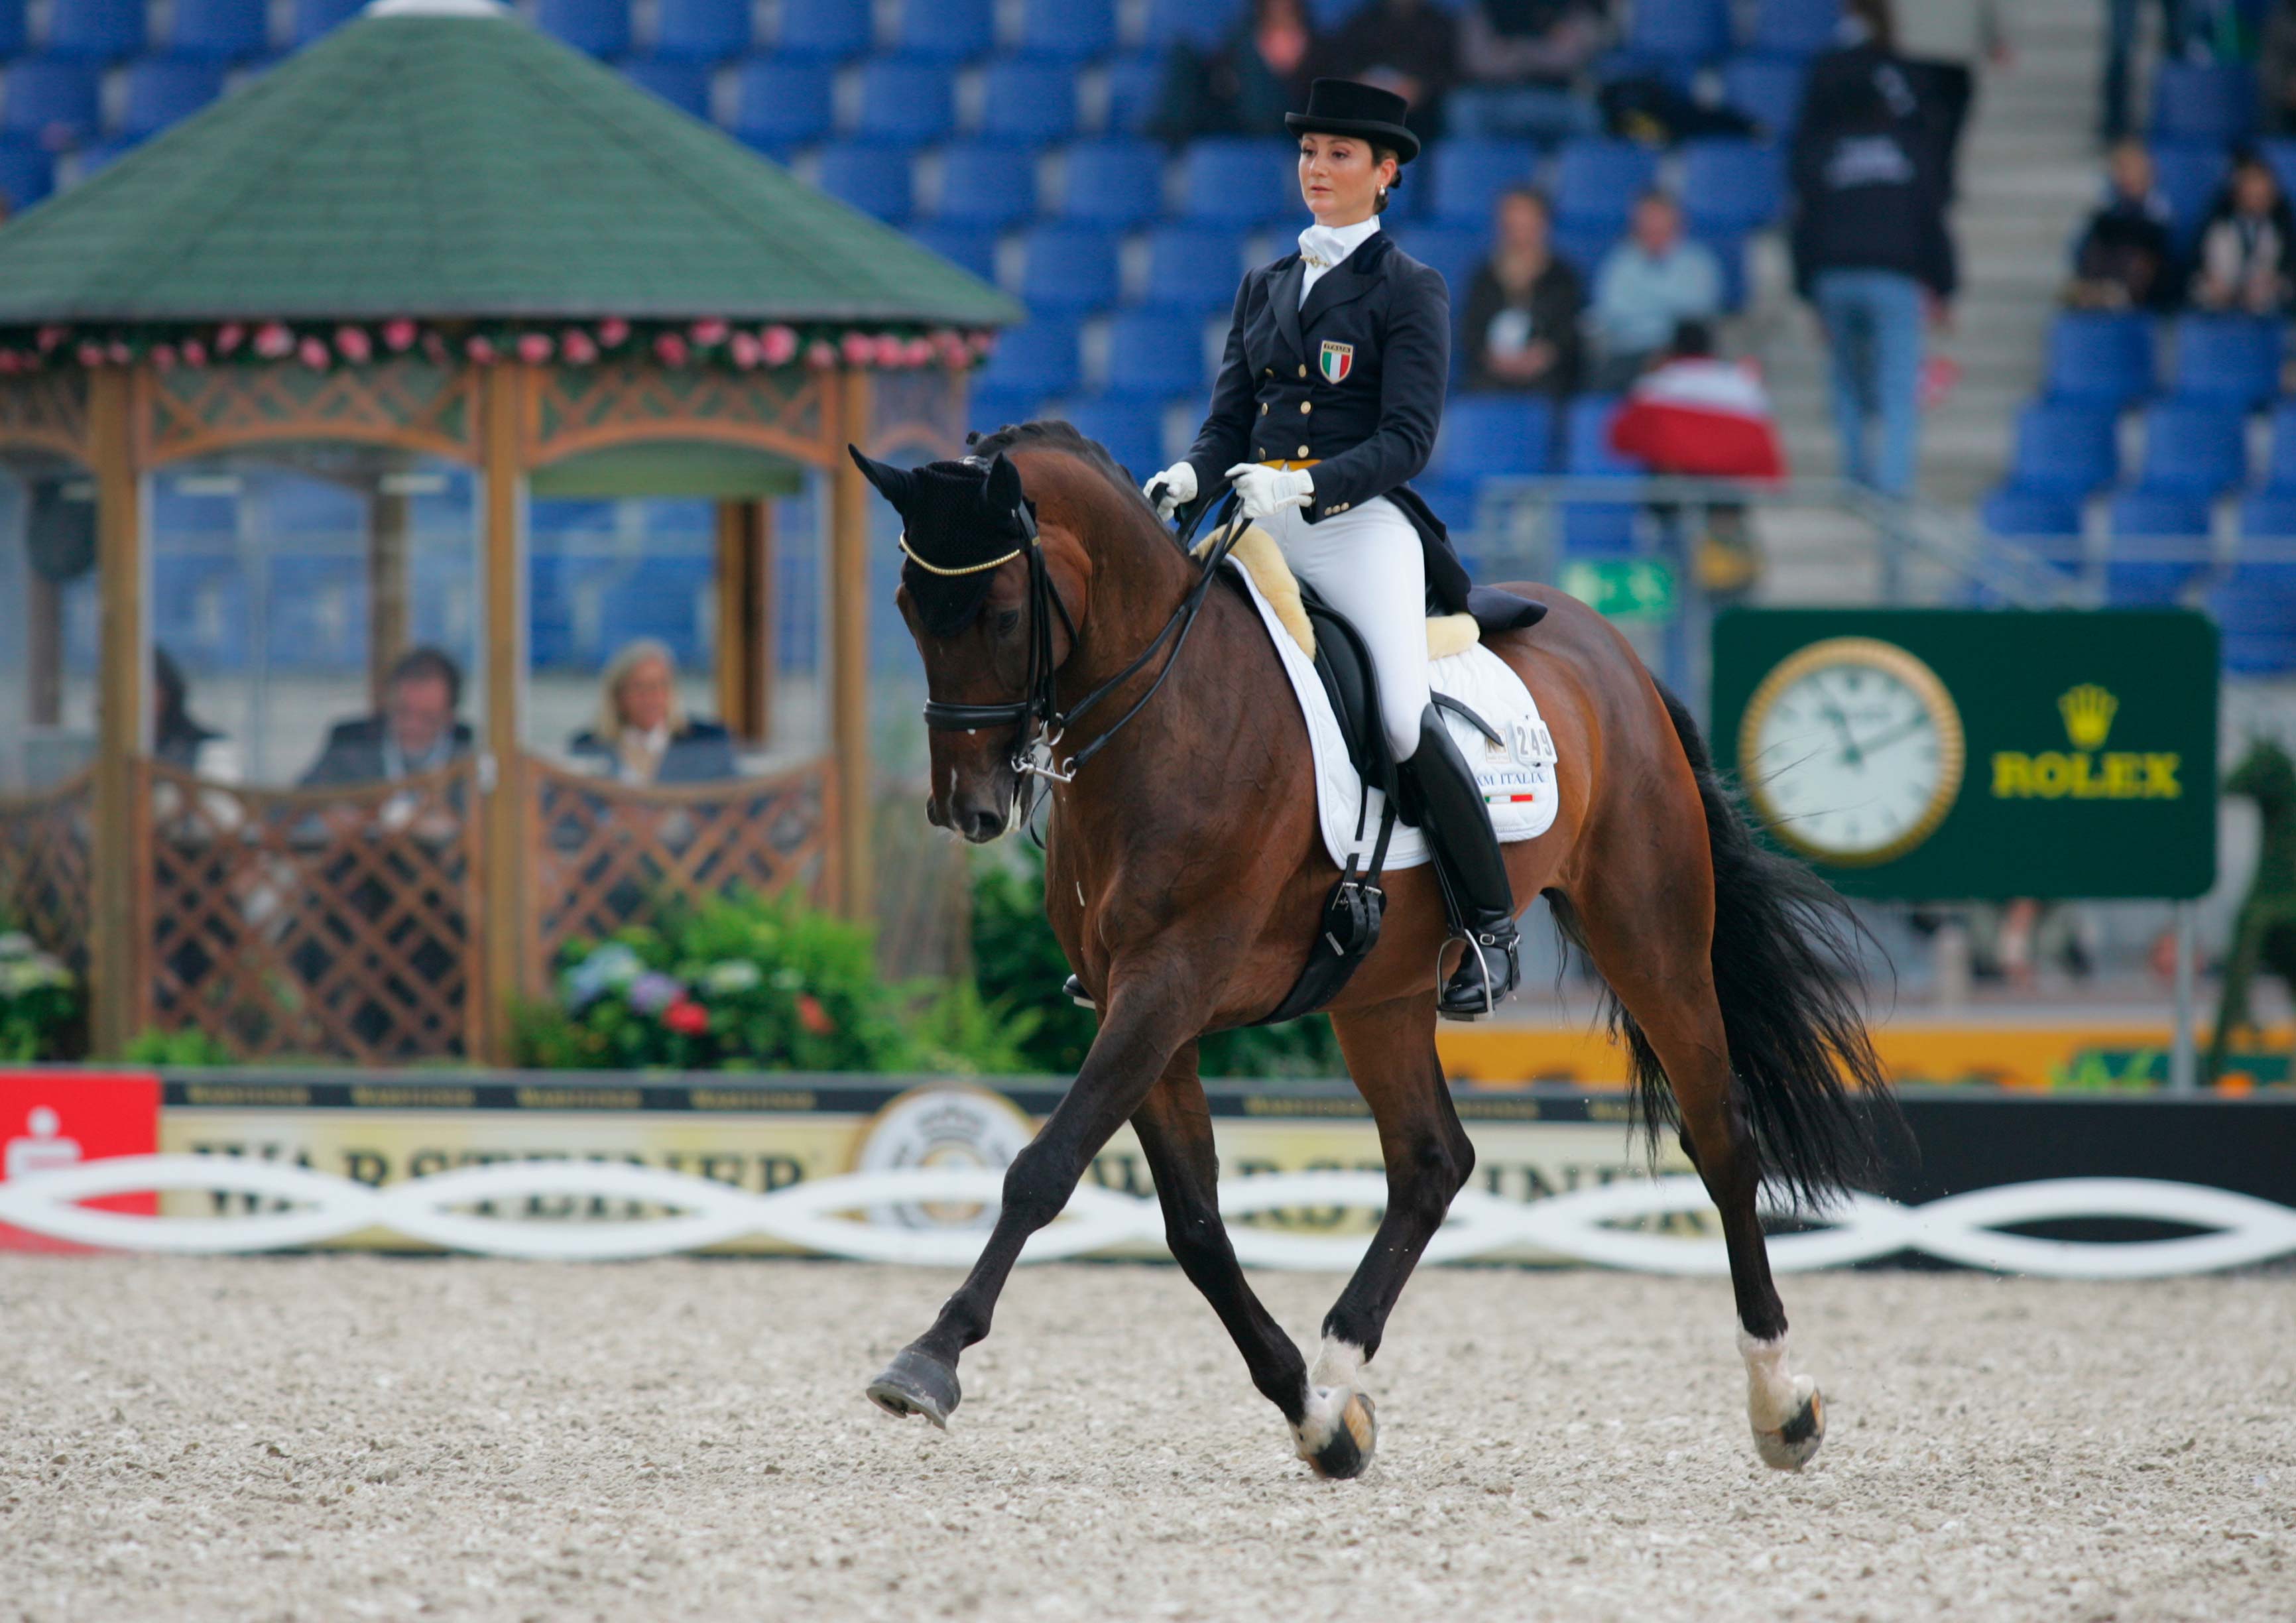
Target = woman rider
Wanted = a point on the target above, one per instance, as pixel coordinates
(1327, 401)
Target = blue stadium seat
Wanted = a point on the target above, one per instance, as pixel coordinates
(1194, 269)
(1039, 359)
(702, 30)
(2269, 516)
(2101, 357)
(1238, 181)
(2255, 609)
(1730, 187)
(1683, 30)
(1134, 84)
(2045, 521)
(1729, 252)
(11, 27)
(1028, 100)
(1072, 30)
(946, 31)
(1596, 181)
(53, 102)
(2194, 448)
(1768, 89)
(1200, 23)
(2188, 176)
(95, 30)
(873, 179)
(1154, 354)
(2234, 359)
(26, 175)
(685, 86)
(1455, 250)
(1597, 530)
(1582, 244)
(1469, 173)
(987, 183)
(214, 30)
(600, 26)
(2203, 101)
(904, 102)
(2160, 546)
(1130, 431)
(314, 18)
(1117, 183)
(1068, 268)
(1794, 28)
(1587, 451)
(2280, 464)
(780, 105)
(1487, 435)
(2064, 449)
(973, 247)
(161, 90)
(990, 407)
(823, 30)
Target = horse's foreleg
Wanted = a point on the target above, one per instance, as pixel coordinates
(1144, 1027)
(1390, 1054)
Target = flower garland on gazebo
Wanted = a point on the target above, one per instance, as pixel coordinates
(320, 346)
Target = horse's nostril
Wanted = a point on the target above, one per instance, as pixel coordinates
(983, 826)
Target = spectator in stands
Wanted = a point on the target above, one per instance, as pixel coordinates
(1517, 60)
(2122, 18)
(1871, 249)
(1943, 41)
(643, 734)
(1524, 307)
(1647, 286)
(179, 741)
(1407, 46)
(415, 731)
(2247, 252)
(2127, 257)
(1245, 85)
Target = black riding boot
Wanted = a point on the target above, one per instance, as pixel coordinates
(1476, 892)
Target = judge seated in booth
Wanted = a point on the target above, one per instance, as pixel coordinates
(643, 735)
(415, 732)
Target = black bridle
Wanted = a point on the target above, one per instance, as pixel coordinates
(1038, 707)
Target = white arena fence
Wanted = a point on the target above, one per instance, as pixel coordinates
(876, 1216)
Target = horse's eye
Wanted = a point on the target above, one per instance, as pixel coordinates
(1008, 621)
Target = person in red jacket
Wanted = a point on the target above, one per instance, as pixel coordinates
(1696, 415)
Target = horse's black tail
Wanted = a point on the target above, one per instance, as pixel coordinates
(1785, 973)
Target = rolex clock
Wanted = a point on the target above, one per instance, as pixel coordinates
(1851, 751)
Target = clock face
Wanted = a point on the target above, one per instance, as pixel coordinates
(1852, 751)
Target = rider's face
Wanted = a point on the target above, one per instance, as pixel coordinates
(1340, 177)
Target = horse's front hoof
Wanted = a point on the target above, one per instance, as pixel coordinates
(1339, 1434)
(916, 1383)
(1794, 1443)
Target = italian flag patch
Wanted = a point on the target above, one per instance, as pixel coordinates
(1336, 361)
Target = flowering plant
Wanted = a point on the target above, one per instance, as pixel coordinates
(40, 1005)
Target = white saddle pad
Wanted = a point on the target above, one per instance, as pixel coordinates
(1518, 780)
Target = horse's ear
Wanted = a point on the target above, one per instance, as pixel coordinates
(1003, 493)
(895, 485)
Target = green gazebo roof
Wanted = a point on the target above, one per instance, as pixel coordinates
(442, 159)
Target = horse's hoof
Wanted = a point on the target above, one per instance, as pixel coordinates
(1339, 1434)
(916, 1383)
(1794, 1443)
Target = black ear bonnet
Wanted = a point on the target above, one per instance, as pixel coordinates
(961, 520)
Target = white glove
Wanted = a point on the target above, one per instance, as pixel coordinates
(1179, 482)
(1268, 491)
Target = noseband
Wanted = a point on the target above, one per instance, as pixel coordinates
(1039, 721)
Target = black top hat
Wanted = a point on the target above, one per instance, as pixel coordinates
(1342, 107)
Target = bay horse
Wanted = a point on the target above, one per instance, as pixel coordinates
(1186, 877)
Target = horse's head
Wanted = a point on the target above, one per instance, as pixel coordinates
(993, 606)
(2265, 774)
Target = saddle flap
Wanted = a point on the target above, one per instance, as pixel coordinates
(1343, 663)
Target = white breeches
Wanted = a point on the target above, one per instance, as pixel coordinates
(1366, 564)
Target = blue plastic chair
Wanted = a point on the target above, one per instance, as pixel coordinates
(873, 179)
(1486, 435)
(1768, 89)
(1582, 244)
(2160, 546)
(1072, 30)
(1194, 269)
(53, 101)
(1597, 180)
(780, 105)
(314, 18)
(2234, 359)
(213, 30)
(26, 175)
(946, 31)
(2269, 516)
(1239, 182)
(903, 103)
(2103, 359)
(1068, 269)
(1038, 360)
(1729, 252)
(1455, 250)
(2280, 463)
(600, 26)
(990, 407)
(161, 91)
(1130, 430)
(1730, 187)
(2188, 178)
(2048, 522)
(1598, 529)
(2064, 449)
(1031, 101)
(702, 30)
(685, 86)
(2193, 448)
(823, 30)
(1115, 183)
(2254, 607)
(1794, 28)
(972, 246)
(2203, 101)
(987, 184)
(95, 30)
(11, 27)
(1587, 451)
(1683, 30)
(1200, 23)
(1468, 174)
(1136, 82)
(1155, 355)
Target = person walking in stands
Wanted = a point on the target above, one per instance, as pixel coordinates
(1328, 400)
(1870, 250)
(1523, 307)
(1943, 41)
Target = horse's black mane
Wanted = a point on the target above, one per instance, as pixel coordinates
(1053, 434)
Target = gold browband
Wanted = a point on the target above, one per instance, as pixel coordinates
(970, 568)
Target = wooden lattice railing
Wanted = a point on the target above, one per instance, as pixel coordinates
(605, 855)
(45, 840)
(337, 922)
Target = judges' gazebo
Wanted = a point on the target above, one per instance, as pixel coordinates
(438, 234)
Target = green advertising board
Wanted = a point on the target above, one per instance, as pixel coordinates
(1946, 754)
